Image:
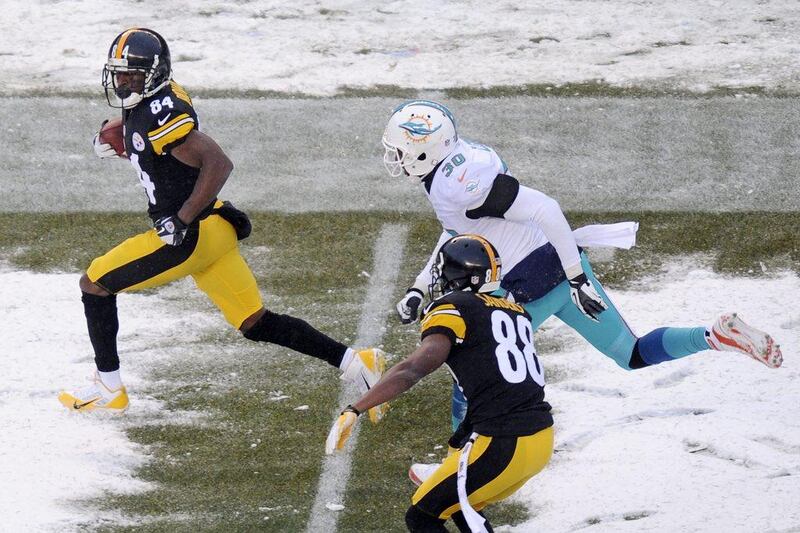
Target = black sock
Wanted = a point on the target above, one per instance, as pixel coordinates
(103, 324)
(298, 335)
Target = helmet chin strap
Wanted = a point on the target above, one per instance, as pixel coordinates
(131, 100)
(489, 287)
(154, 90)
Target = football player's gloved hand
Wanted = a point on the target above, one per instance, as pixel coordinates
(408, 307)
(341, 429)
(586, 297)
(171, 230)
(103, 150)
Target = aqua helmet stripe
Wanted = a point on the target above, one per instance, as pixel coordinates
(429, 103)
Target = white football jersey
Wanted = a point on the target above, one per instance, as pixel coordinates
(462, 182)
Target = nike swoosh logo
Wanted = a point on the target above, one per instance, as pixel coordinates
(461, 178)
(162, 121)
(77, 406)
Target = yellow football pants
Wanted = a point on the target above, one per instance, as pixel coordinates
(498, 467)
(209, 253)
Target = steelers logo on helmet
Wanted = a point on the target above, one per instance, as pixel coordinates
(138, 65)
(465, 263)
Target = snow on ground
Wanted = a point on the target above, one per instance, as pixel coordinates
(709, 443)
(715, 428)
(50, 457)
(316, 47)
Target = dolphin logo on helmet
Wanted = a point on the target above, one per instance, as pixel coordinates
(415, 128)
(420, 135)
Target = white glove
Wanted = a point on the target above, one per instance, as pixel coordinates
(408, 307)
(103, 150)
(585, 297)
(341, 430)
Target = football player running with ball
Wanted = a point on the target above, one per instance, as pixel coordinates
(487, 343)
(194, 233)
(472, 191)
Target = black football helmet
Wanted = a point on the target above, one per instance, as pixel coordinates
(465, 263)
(136, 50)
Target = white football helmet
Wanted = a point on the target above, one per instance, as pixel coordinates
(419, 135)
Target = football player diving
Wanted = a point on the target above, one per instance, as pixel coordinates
(487, 343)
(472, 191)
(181, 170)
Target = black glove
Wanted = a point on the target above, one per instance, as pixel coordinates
(171, 230)
(408, 307)
(585, 297)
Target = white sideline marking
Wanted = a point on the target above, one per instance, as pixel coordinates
(388, 252)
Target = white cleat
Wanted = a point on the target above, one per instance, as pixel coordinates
(730, 333)
(95, 397)
(365, 370)
(419, 472)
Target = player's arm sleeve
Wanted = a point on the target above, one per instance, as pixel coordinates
(533, 206)
(172, 133)
(499, 199)
(445, 319)
(424, 277)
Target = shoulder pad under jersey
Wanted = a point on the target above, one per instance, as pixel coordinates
(466, 176)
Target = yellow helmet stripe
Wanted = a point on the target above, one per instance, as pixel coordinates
(491, 254)
(121, 44)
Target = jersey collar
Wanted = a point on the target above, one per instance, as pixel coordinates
(428, 179)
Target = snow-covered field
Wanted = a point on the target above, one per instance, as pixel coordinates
(315, 47)
(710, 443)
(706, 444)
(50, 458)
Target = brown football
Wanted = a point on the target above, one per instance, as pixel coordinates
(112, 133)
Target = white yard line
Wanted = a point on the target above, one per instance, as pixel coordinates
(388, 253)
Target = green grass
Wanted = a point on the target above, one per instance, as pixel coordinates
(207, 475)
(331, 249)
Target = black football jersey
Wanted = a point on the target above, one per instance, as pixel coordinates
(493, 360)
(153, 128)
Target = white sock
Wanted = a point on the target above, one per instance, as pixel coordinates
(347, 358)
(112, 380)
